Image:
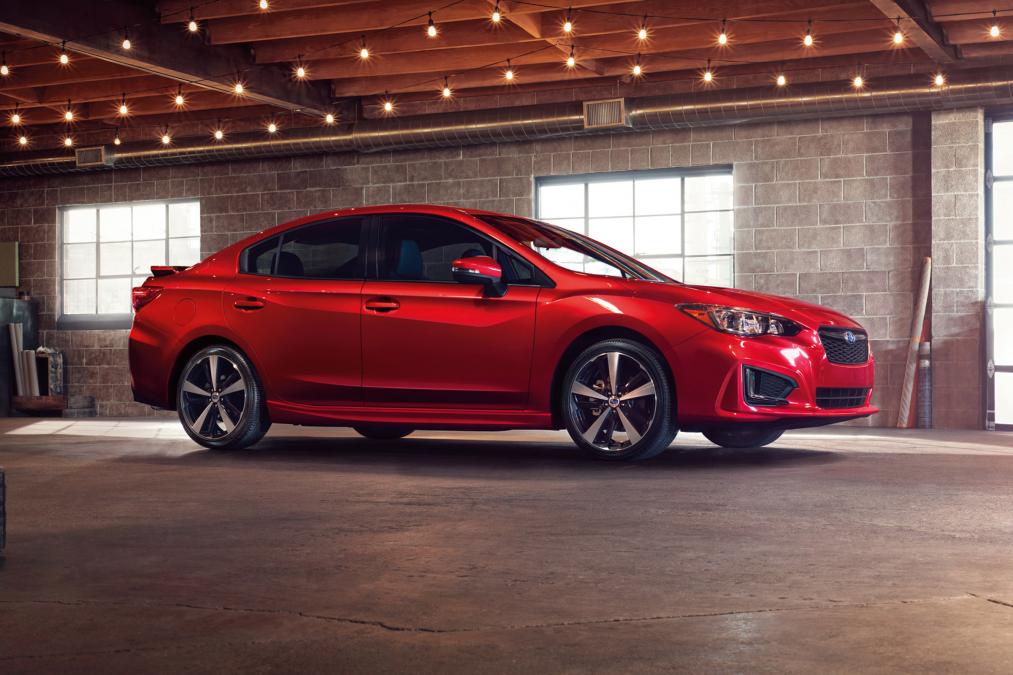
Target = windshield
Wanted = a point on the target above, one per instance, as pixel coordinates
(572, 250)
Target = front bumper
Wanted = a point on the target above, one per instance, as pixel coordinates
(710, 382)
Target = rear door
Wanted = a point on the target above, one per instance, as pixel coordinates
(429, 341)
(297, 303)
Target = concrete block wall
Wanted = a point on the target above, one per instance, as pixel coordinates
(835, 211)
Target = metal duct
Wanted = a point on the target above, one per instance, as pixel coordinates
(972, 88)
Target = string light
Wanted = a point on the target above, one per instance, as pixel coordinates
(116, 138)
(68, 115)
(571, 60)
(126, 44)
(708, 75)
(64, 56)
(123, 109)
(388, 106)
(272, 127)
(23, 140)
(218, 134)
(446, 91)
(238, 89)
(179, 99)
(808, 39)
(781, 80)
(508, 75)
(68, 142)
(264, 5)
(497, 16)
(300, 70)
(166, 137)
(637, 69)
(329, 118)
(16, 117)
(858, 82)
(994, 31)
(568, 24)
(431, 27)
(723, 35)
(939, 79)
(363, 49)
(642, 32)
(898, 35)
(5, 70)
(192, 24)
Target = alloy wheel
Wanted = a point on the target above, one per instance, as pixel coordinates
(613, 401)
(213, 396)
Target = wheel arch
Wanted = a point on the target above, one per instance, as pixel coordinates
(585, 340)
(192, 348)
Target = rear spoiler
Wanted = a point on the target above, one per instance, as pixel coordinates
(166, 270)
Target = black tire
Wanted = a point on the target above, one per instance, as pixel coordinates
(383, 433)
(209, 425)
(743, 438)
(654, 422)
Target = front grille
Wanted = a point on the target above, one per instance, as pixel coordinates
(841, 397)
(845, 346)
(762, 387)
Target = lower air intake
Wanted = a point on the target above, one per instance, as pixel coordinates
(764, 388)
(841, 397)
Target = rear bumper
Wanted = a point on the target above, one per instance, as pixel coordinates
(150, 363)
(710, 383)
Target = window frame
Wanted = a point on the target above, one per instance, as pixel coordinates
(364, 240)
(633, 175)
(106, 321)
(989, 382)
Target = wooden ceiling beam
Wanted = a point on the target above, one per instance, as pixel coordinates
(158, 50)
(533, 26)
(976, 31)
(919, 26)
(178, 11)
(79, 70)
(943, 11)
(355, 19)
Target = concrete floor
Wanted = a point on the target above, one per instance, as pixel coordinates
(131, 550)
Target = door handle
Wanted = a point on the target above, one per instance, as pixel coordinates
(249, 303)
(382, 304)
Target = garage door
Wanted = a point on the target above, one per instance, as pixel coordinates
(999, 276)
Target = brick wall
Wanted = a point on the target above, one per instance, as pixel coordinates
(835, 211)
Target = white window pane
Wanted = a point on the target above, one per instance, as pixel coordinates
(114, 296)
(561, 201)
(670, 267)
(114, 223)
(711, 271)
(572, 224)
(1002, 210)
(1002, 273)
(78, 261)
(708, 233)
(148, 253)
(611, 198)
(596, 267)
(149, 221)
(78, 225)
(614, 232)
(708, 193)
(79, 296)
(184, 251)
(114, 259)
(1004, 398)
(658, 196)
(184, 219)
(565, 257)
(1002, 329)
(137, 281)
(1002, 148)
(658, 235)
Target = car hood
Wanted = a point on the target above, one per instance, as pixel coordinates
(805, 313)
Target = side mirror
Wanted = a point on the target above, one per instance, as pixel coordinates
(480, 269)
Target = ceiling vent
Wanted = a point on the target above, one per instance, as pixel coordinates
(92, 157)
(605, 114)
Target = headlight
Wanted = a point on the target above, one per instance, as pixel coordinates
(739, 321)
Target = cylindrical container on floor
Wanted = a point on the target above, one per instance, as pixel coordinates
(925, 385)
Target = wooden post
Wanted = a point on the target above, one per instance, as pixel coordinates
(911, 366)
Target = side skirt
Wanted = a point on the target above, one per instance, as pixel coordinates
(418, 418)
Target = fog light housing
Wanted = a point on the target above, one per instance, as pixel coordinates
(766, 388)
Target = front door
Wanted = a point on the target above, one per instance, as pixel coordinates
(428, 341)
(297, 304)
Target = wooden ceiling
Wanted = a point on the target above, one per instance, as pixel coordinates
(237, 41)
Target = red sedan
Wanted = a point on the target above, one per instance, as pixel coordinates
(391, 319)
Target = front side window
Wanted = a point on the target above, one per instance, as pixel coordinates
(679, 224)
(422, 248)
(106, 250)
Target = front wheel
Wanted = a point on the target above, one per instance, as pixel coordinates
(220, 400)
(743, 438)
(618, 401)
(383, 433)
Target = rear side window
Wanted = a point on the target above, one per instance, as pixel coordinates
(259, 258)
(328, 250)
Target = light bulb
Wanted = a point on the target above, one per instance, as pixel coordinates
(166, 139)
(388, 106)
(364, 53)
(509, 74)
(447, 93)
(16, 119)
(264, 5)
(23, 141)
(858, 82)
(123, 109)
(568, 26)
(722, 38)
(431, 27)
(637, 70)
(781, 80)
(64, 58)
(5, 70)
(68, 142)
(939, 80)
(239, 88)
(329, 118)
(496, 15)
(126, 43)
(192, 26)
(808, 40)
(708, 76)
(571, 60)
(994, 30)
(898, 38)
(642, 34)
(300, 72)
(219, 134)
(69, 116)
(272, 128)
(117, 141)
(179, 100)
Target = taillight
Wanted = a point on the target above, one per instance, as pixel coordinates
(142, 295)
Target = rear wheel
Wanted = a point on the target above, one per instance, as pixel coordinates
(383, 433)
(743, 438)
(618, 401)
(220, 400)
